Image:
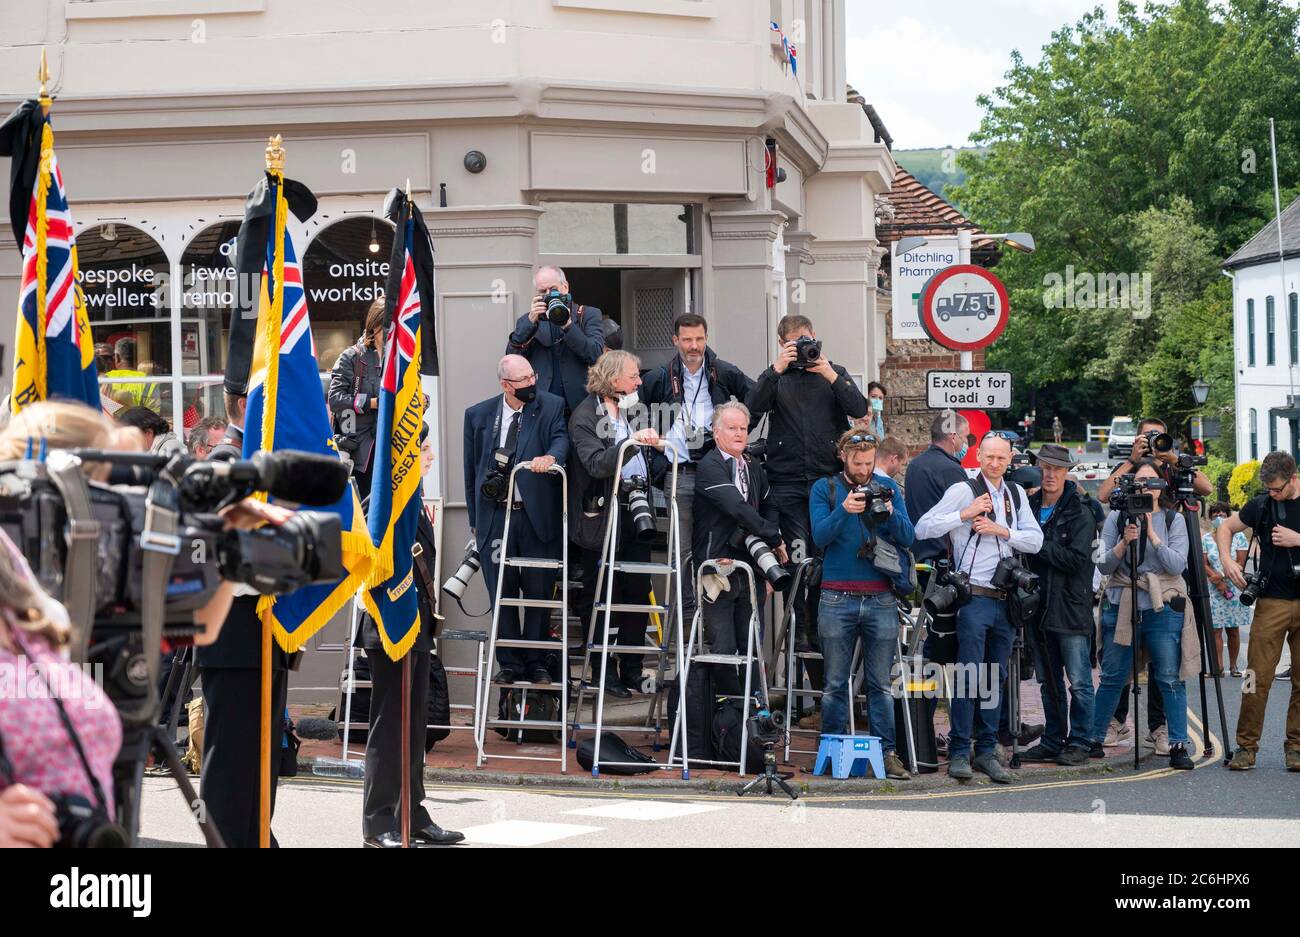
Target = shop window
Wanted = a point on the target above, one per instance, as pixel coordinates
(208, 298)
(616, 228)
(345, 269)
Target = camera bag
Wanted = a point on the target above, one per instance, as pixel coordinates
(729, 728)
(613, 749)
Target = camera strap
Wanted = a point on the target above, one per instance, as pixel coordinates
(79, 575)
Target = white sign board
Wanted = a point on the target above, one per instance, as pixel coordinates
(908, 273)
(968, 390)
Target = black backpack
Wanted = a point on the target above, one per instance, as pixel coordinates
(613, 750)
(728, 727)
(542, 706)
(700, 705)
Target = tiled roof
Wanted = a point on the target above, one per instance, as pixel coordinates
(1262, 248)
(917, 210)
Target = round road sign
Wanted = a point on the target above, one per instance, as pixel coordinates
(964, 307)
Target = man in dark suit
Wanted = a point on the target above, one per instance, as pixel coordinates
(559, 353)
(732, 494)
(231, 674)
(520, 425)
(382, 790)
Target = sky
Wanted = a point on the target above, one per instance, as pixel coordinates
(923, 62)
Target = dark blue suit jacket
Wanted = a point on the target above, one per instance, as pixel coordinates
(560, 355)
(542, 431)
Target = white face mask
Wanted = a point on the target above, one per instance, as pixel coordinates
(628, 401)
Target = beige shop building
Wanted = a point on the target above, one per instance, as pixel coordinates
(624, 140)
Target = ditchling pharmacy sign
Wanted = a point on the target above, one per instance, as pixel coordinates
(908, 273)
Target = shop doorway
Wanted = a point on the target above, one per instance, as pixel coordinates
(643, 301)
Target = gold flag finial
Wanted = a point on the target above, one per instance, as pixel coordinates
(275, 154)
(43, 75)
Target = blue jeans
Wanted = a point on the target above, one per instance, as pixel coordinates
(1067, 658)
(983, 640)
(1161, 632)
(842, 618)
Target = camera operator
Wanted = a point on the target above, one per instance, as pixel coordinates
(811, 402)
(520, 425)
(1168, 633)
(690, 386)
(732, 500)
(354, 395)
(560, 338)
(1275, 519)
(986, 532)
(598, 427)
(852, 513)
(1061, 636)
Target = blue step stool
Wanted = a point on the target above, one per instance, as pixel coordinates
(849, 755)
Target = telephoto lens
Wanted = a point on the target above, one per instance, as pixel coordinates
(949, 590)
(557, 307)
(637, 492)
(1158, 441)
(767, 562)
(459, 581)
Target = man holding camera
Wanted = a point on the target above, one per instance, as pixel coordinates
(521, 425)
(690, 386)
(986, 531)
(597, 430)
(859, 522)
(560, 338)
(1275, 520)
(811, 402)
(1061, 635)
(732, 502)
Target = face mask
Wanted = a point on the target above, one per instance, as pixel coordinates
(1216, 522)
(526, 393)
(877, 404)
(961, 453)
(628, 401)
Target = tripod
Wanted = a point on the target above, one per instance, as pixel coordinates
(1200, 595)
(1135, 556)
(1013, 691)
(770, 775)
(128, 775)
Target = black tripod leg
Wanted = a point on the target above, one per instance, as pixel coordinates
(163, 746)
(1204, 624)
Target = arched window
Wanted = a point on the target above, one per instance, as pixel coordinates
(344, 270)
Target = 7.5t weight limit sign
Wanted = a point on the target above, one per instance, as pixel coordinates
(974, 390)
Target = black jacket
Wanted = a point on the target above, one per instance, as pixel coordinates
(593, 459)
(354, 382)
(423, 567)
(928, 476)
(1064, 564)
(807, 417)
(664, 384)
(720, 510)
(559, 356)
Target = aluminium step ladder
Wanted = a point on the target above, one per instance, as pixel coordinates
(605, 608)
(486, 721)
(753, 653)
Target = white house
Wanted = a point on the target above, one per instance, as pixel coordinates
(1266, 336)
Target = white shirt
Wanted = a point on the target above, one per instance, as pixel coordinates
(508, 414)
(735, 473)
(979, 556)
(697, 405)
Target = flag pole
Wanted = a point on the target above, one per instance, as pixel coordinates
(406, 682)
(275, 166)
(43, 75)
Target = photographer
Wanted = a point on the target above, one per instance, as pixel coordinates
(1168, 633)
(598, 427)
(732, 500)
(810, 402)
(852, 513)
(1061, 636)
(560, 338)
(354, 395)
(1163, 453)
(986, 531)
(520, 425)
(1274, 518)
(690, 386)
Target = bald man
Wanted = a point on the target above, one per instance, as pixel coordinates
(526, 426)
(985, 519)
(560, 352)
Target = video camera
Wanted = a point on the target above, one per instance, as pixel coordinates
(807, 352)
(1132, 497)
(1185, 475)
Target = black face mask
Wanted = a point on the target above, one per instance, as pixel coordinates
(526, 393)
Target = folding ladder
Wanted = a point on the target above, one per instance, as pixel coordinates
(611, 566)
(484, 720)
(753, 652)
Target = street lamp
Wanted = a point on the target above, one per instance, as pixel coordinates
(1020, 241)
(1200, 392)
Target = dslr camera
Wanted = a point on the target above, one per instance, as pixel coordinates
(468, 568)
(949, 589)
(635, 491)
(497, 484)
(1158, 441)
(807, 352)
(1256, 583)
(763, 556)
(557, 306)
(878, 501)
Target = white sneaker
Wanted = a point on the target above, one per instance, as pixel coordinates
(1117, 733)
(1160, 740)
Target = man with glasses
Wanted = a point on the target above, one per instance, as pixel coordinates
(520, 425)
(1275, 519)
(561, 340)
